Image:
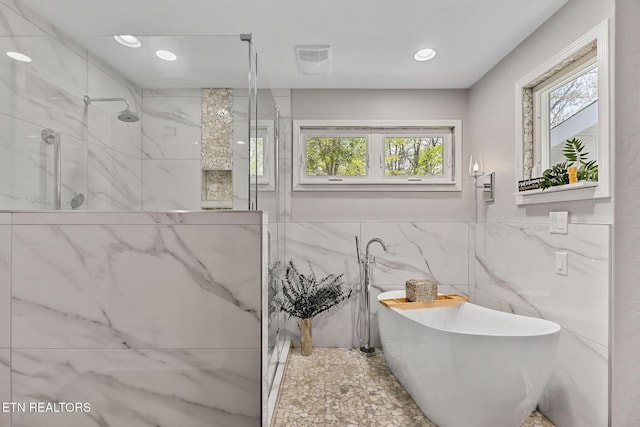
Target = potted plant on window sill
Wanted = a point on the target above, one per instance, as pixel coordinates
(587, 170)
(306, 296)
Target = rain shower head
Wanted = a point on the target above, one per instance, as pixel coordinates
(128, 116)
(125, 115)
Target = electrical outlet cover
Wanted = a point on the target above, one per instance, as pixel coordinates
(559, 222)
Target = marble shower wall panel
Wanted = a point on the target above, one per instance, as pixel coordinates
(48, 91)
(135, 286)
(23, 21)
(171, 138)
(5, 282)
(13, 24)
(515, 262)
(171, 184)
(114, 180)
(171, 127)
(140, 388)
(435, 250)
(26, 167)
(104, 127)
(5, 384)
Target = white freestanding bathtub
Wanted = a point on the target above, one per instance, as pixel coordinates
(467, 365)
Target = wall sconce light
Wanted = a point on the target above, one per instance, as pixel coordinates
(487, 179)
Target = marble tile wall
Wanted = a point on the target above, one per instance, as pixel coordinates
(415, 250)
(151, 318)
(141, 388)
(5, 313)
(5, 281)
(48, 93)
(523, 281)
(171, 144)
(5, 310)
(5, 384)
(114, 180)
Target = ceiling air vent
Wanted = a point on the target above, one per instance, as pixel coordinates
(314, 59)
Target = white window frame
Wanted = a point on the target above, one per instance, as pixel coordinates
(588, 190)
(376, 131)
(265, 130)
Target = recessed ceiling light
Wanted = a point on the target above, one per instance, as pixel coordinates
(128, 41)
(18, 56)
(166, 55)
(424, 54)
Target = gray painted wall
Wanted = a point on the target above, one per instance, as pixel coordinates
(380, 105)
(625, 409)
(491, 124)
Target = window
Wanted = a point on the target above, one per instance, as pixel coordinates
(566, 107)
(376, 155)
(563, 99)
(262, 156)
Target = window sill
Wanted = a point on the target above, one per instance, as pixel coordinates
(562, 193)
(387, 186)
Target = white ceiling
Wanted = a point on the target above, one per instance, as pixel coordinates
(372, 41)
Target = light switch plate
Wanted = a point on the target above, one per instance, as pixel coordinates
(562, 263)
(559, 222)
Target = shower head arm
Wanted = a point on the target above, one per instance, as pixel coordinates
(88, 100)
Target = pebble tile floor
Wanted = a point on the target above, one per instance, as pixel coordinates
(339, 387)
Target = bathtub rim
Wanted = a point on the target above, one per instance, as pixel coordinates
(554, 328)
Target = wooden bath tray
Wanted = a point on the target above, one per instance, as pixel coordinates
(442, 301)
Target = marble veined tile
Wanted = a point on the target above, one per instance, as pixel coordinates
(30, 15)
(27, 165)
(577, 392)
(436, 250)
(5, 286)
(136, 286)
(13, 24)
(5, 385)
(334, 328)
(104, 127)
(134, 218)
(48, 90)
(114, 180)
(171, 127)
(140, 388)
(328, 246)
(171, 184)
(515, 262)
(181, 92)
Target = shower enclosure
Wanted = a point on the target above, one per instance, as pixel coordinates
(199, 134)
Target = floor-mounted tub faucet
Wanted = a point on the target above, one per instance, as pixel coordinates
(365, 291)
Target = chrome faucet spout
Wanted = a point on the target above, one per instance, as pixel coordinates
(375, 240)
